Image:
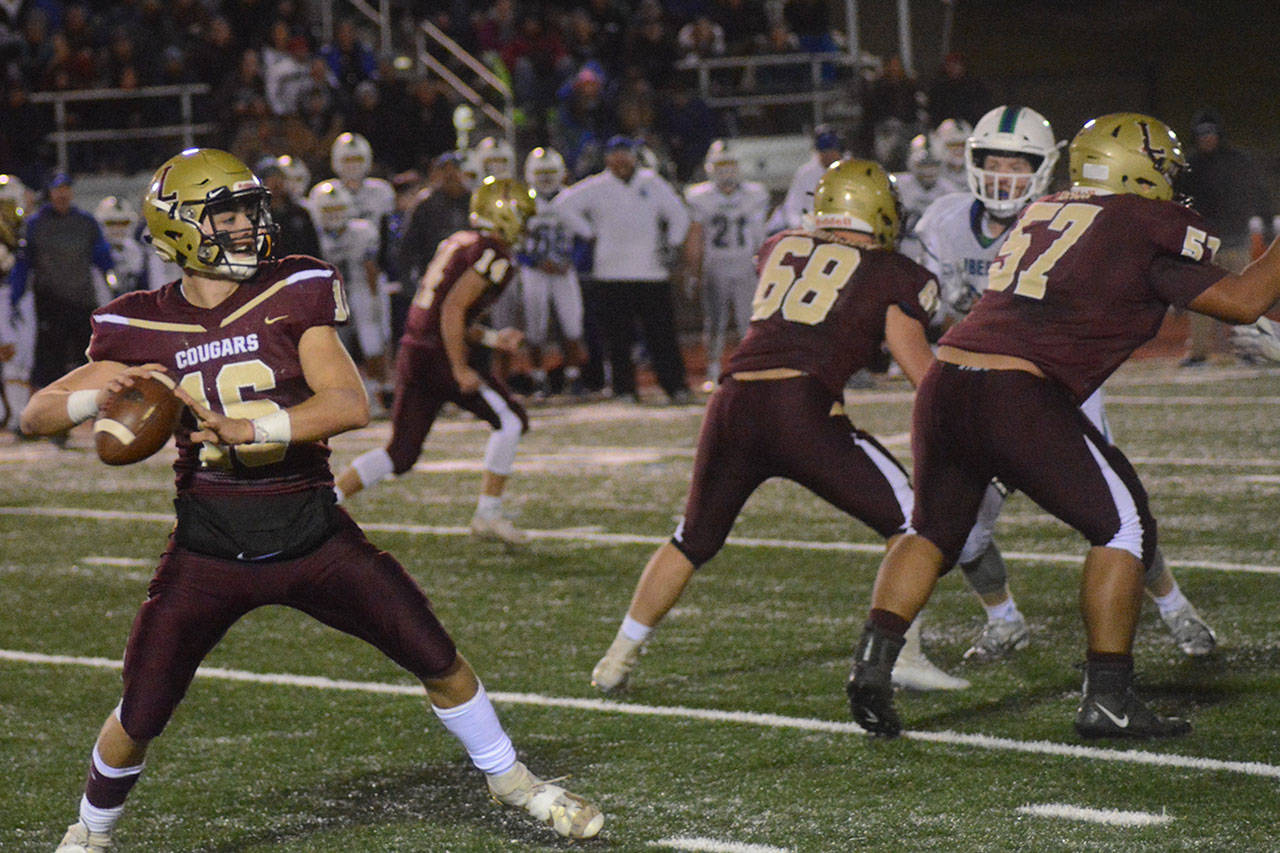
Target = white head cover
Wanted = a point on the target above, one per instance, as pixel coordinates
(1010, 131)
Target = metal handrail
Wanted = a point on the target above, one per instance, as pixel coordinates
(62, 137)
(816, 95)
(504, 118)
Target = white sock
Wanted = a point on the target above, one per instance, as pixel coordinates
(489, 506)
(337, 490)
(633, 630)
(1006, 610)
(571, 372)
(1175, 600)
(96, 819)
(476, 725)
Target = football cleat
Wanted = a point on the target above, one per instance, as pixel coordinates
(869, 689)
(1124, 715)
(80, 840)
(497, 529)
(999, 638)
(912, 670)
(1193, 634)
(614, 669)
(568, 814)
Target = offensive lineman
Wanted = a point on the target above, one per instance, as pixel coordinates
(826, 300)
(727, 225)
(437, 359)
(1084, 278)
(259, 364)
(1011, 156)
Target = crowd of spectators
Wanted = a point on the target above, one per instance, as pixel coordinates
(580, 71)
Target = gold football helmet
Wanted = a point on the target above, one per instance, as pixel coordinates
(183, 194)
(502, 205)
(13, 202)
(1127, 153)
(858, 195)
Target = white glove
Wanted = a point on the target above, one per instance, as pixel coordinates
(1257, 343)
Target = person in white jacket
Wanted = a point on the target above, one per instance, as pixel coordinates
(638, 223)
(827, 149)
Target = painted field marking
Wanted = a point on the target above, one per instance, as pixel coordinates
(1111, 817)
(711, 845)
(580, 535)
(774, 721)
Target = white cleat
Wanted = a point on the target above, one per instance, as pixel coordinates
(614, 669)
(914, 671)
(999, 639)
(80, 840)
(1193, 634)
(567, 813)
(497, 529)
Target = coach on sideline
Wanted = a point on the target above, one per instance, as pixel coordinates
(637, 221)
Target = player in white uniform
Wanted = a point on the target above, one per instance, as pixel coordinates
(948, 141)
(727, 226)
(17, 322)
(351, 244)
(351, 157)
(119, 219)
(827, 149)
(1011, 156)
(918, 187)
(548, 278)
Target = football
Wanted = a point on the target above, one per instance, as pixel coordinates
(136, 422)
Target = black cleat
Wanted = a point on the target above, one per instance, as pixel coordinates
(1124, 715)
(872, 706)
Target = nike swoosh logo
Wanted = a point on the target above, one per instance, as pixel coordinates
(248, 559)
(1122, 722)
(271, 320)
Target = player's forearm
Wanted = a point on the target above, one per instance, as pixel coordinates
(453, 331)
(327, 413)
(1244, 297)
(52, 409)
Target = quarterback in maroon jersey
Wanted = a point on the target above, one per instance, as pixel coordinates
(1084, 278)
(267, 381)
(825, 302)
(437, 360)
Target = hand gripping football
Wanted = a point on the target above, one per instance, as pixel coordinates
(137, 421)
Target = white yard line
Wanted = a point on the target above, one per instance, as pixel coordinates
(775, 721)
(711, 845)
(581, 535)
(1110, 817)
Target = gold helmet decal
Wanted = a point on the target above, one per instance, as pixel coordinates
(1127, 153)
(858, 195)
(183, 195)
(502, 205)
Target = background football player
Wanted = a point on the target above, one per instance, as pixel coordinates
(17, 319)
(727, 221)
(948, 139)
(118, 219)
(548, 278)
(259, 364)
(918, 187)
(351, 244)
(351, 158)
(827, 299)
(438, 359)
(1011, 157)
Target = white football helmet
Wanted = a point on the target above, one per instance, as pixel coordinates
(495, 158)
(351, 157)
(923, 161)
(1010, 131)
(721, 164)
(117, 217)
(332, 205)
(948, 141)
(297, 177)
(544, 171)
(13, 209)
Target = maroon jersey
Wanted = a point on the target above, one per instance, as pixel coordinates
(1084, 279)
(464, 250)
(820, 305)
(241, 359)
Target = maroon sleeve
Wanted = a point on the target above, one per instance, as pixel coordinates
(1178, 280)
(918, 291)
(312, 294)
(113, 339)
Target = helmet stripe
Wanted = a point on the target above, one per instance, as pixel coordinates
(1009, 119)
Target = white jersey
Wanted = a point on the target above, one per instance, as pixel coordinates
(371, 200)
(130, 262)
(915, 198)
(732, 223)
(348, 250)
(957, 249)
(547, 235)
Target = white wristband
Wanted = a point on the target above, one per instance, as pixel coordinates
(82, 405)
(489, 338)
(273, 428)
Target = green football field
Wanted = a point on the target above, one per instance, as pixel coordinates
(735, 733)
